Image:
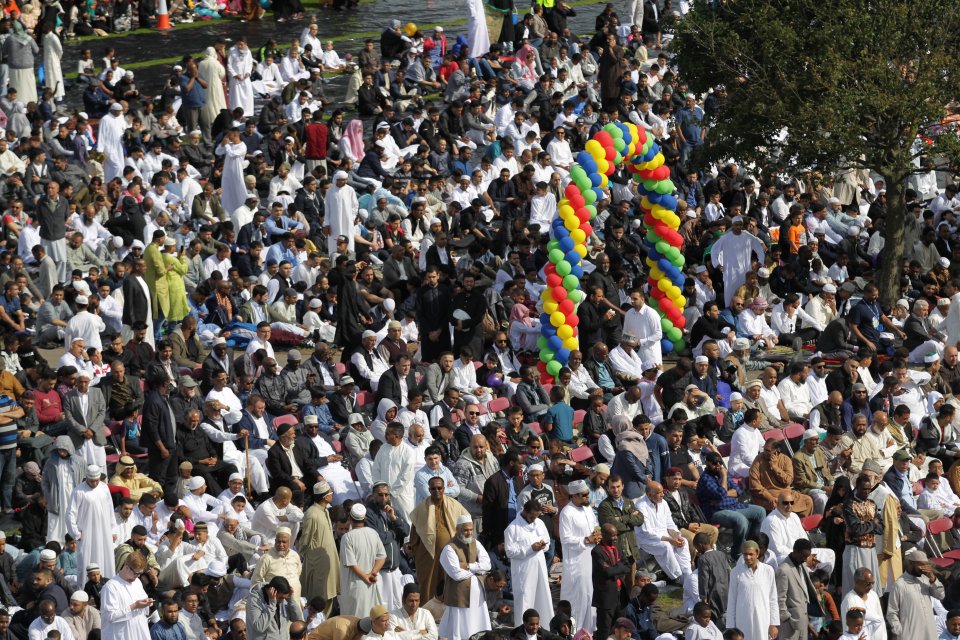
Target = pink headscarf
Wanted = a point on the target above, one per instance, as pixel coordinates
(521, 313)
(354, 135)
(528, 66)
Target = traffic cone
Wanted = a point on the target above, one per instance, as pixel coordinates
(163, 19)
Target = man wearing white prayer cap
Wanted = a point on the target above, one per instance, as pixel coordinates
(341, 205)
(463, 593)
(90, 520)
(280, 561)
(81, 618)
(579, 534)
(362, 555)
(528, 571)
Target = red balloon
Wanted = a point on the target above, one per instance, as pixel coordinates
(559, 294)
(550, 268)
(680, 322)
(576, 201)
(583, 215)
(586, 228)
(646, 174)
(573, 319)
(554, 280)
(656, 293)
(661, 173)
(641, 137)
(541, 365)
(566, 307)
(667, 306)
(604, 138)
(673, 317)
(571, 190)
(661, 230)
(611, 154)
(649, 220)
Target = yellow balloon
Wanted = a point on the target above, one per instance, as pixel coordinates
(565, 332)
(595, 149)
(672, 221)
(657, 161)
(655, 271)
(658, 211)
(563, 202)
(646, 204)
(633, 132)
(602, 164)
(547, 295)
(664, 285)
(571, 344)
(578, 236)
(603, 181)
(565, 211)
(550, 307)
(572, 223)
(581, 249)
(557, 319)
(651, 264)
(411, 29)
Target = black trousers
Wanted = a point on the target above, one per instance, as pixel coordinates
(164, 470)
(605, 618)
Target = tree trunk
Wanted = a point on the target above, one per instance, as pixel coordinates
(891, 258)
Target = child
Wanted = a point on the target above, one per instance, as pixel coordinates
(67, 561)
(713, 574)
(95, 583)
(318, 407)
(702, 627)
(820, 580)
(594, 424)
(833, 631)
(559, 419)
(130, 435)
(855, 630)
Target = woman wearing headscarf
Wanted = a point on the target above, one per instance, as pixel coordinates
(20, 52)
(632, 457)
(524, 328)
(351, 144)
(833, 525)
(523, 73)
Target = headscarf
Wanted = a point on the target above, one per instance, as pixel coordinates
(354, 135)
(628, 439)
(31, 470)
(521, 313)
(932, 398)
(528, 67)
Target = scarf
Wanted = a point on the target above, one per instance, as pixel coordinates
(629, 440)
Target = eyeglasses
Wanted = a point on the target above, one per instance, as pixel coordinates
(473, 413)
(786, 503)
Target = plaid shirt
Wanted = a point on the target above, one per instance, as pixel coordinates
(713, 497)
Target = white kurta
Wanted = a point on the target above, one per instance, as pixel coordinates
(110, 143)
(732, 252)
(645, 326)
(240, 63)
(90, 522)
(118, 621)
(52, 69)
(361, 548)
(341, 206)
(752, 601)
(213, 74)
(576, 523)
(874, 622)
(396, 466)
(784, 531)
(421, 620)
(234, 189)
(528, 568)
(459, 623)
(65, 483)
(477, 35)
(339, 479)
(657, 523)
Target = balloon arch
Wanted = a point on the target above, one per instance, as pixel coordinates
(615, 144)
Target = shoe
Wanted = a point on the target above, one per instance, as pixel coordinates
(307, 344)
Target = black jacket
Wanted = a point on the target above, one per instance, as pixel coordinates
(496, 493)
(158, 423)
(389, 386)
(610, 587)
(278, 466)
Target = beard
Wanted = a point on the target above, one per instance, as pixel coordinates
(464, 539)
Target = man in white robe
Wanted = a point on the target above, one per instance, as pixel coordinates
(464, 618)
(477, 34)
(124, 605)
(239, 69)
(732, 252)
(396, 465)
(525, 542)
(752, 603)
(110, 142)
(277, 512)
(660, 536)
(579, 534)
(343, 486)
(864, 596)
(362, 555)
(62, 472)
(341, 206)
(643, 322)
(409, 621)
(783, 527)
(90, 522)
(234, 189)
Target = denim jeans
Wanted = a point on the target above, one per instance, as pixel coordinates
(743, 522)
(8, 476)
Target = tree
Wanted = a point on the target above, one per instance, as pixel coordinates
(838, 85)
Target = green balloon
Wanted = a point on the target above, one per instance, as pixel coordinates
(577, 172)
(555, 256)
(542, 343)
(678, 261)
(570, 283)
(664, 187)
(665, 324)
(679, 345)
(652, 302)
(618, 159)
(576, 295)
(672, 253)
(610, 128)
(616, 133)
(654, 238)
(636, 178)
(662, 248)
(553, 244)
(619, 145)
(592, 208)
(563, 268)
(546, 355)
(650, 185)
(589, 196)
(553, 367)
(674, 334)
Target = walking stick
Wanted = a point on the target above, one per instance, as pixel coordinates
(246, 450)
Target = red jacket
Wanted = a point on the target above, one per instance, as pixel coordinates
(315, 137)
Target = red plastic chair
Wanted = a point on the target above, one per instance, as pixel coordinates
(935, 528)
(773, 434)
(793, 430)
(340, 368)
(578, 416)
(365, 398)
(535, 427)
(498, 404)
(724, 450)
(943, 563)
(337, 446)
(811, 522)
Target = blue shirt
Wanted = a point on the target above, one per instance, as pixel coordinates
(423, 476)
(604, 379)
(560, 416)
(280, 253)
(162, 631)
(511, 497)
(196, 97)
(866, 316)
(278, 228)
(10, 306)
(690, 122)
(324, 417)
(659, 456)
(713, 497)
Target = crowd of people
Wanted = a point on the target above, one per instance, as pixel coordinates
(270, 367)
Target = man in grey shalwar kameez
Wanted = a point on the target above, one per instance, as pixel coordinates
(361, 557)
(910, 612)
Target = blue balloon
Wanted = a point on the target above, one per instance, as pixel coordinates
(562, 356)
(599, 192)
(595, 179)
(560, 232)
(654, 255)
(586, 161)
(668, 201)
(548, 330)
(664, 265)
(678, 281)
(654, 149)
(566, 244)
(666, 345)
(655, 197)
(554, 342)
(545, 321)
(572, 257)
(576, 270)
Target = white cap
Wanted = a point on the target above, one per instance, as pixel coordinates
(311, 419)
(216, 569)
(829, 288)
(48, 555)
(94, 471)
(812, 433)
(195, 483)
(578, 487)
(79, 596)
(116, 106)
(389, 305)
(316, 303)
(943, 302)
(735, 396)
(219, 340)
(930, 358)
(464, 519)
(235, 476)
(700, 269)
(82, 300)
(944, 263)
(701, 360)
(763, 272)
(341, 175)
(368, 334)
(358, 512)
(902, 302)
